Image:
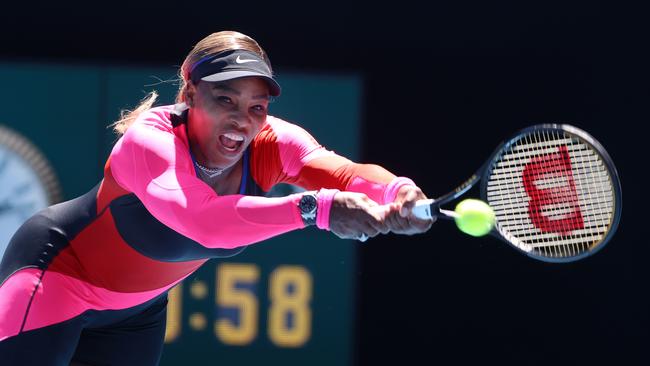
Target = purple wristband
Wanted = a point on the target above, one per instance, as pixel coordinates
(325, 199)
(390, 193)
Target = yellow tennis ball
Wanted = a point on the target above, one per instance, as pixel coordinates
(475, 217)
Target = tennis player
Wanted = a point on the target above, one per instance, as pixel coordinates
(85, 282)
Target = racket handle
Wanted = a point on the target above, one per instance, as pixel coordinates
(423, 209)
(426, 209)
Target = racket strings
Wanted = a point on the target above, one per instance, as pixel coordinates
(552, 194)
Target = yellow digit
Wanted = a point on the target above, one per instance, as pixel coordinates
(244, 301)
(290, 315)
(174, 316)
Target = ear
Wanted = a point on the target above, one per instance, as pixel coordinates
(190, 93)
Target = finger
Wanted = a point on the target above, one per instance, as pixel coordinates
(380, 222)
(388, 215)
(421, 225)
(397, 223)
(364, 224)
(379, 213)
(371, 228)
(342, 235)
(345, 231)
(407, 204)
(386, 224)
(375, 220)
(395, 218)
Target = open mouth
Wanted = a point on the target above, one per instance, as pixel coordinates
(232, 142)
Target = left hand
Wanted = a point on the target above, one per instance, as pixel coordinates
(399, 218)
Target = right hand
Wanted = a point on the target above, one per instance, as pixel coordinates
(354, 214)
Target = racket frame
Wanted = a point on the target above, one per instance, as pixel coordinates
(483, 173)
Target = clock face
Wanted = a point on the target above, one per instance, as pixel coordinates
(28, 184)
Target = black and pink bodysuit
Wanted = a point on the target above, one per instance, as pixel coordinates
(95, 261)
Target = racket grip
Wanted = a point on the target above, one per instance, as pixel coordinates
(422, 209)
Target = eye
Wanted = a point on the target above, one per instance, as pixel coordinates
(224, 99)
(259, 108)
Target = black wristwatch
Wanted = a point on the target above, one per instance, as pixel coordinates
(308, 207)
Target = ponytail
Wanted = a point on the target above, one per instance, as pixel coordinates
(127, 117)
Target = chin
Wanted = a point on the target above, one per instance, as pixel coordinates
(227, 163)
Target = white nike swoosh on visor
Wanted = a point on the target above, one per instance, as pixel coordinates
(240, 61)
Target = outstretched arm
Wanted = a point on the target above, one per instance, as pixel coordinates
(286, 153)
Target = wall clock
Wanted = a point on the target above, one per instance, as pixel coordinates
(27, 183)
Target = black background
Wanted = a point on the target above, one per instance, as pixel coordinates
(443, 84)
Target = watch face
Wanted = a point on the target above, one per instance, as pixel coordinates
(308, 203)
(27, 181)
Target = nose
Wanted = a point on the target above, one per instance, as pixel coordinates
(240, 117)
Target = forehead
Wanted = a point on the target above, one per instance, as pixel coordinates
(246, 85)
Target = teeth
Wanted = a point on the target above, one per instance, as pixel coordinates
(234, 137)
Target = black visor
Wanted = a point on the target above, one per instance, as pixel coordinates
(234, 64)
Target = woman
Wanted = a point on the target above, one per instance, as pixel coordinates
(85, 281)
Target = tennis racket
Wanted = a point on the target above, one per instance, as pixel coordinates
(554, 190)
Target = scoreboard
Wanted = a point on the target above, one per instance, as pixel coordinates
(288, 300)
(285, 301)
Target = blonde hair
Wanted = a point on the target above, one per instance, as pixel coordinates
(210, 45)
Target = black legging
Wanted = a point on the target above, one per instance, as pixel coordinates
(127, 337)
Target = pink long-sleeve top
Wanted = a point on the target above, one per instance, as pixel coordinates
(152, 161)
